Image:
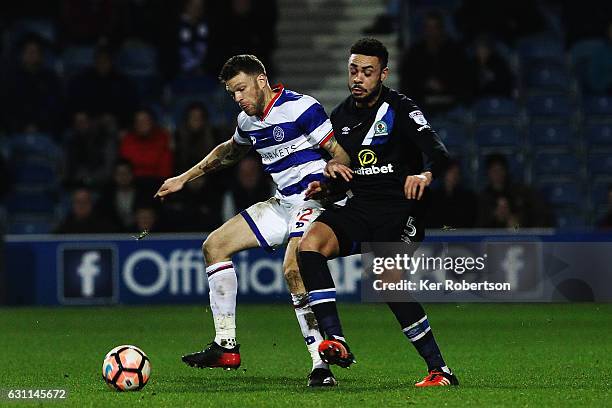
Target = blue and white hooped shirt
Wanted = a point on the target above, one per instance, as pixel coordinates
(288, 138)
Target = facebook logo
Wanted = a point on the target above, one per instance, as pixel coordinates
(88, 275)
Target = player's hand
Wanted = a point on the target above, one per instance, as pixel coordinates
(414, 187)
(333, 168)
(316, 190)
(171, 185)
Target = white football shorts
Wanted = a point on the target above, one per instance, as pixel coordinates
(275, 220)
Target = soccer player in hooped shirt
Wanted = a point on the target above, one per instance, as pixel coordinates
(291, 132)
(385, 135)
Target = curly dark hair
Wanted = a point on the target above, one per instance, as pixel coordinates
(373, 48)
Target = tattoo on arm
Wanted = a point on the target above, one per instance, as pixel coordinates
(336, 151)
(224, 155)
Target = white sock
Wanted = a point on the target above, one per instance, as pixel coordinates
(223, 287)
(309, 327)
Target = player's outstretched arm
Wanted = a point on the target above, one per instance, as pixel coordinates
(224, 155)
(339, 162)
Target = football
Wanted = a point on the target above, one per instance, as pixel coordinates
(126, 368)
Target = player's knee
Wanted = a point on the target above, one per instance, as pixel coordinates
(212, 250)
(309, 243)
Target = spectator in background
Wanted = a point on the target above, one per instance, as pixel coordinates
(90, 153)
(86, 22)
(434, 70)
(193, 38)
(452, 205)
(146, 218)
(492, 75)
(147, 147)
(118, 199)
(503, 202)
(194, 138)
(251, 186)
(32, 97)
(245, 33)
(606, 221)
(600, 66)
(505, 20)
(197, 207)
(82, 219)
(103, 92)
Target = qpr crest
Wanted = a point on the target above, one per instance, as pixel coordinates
(278, 133)
(380, 128)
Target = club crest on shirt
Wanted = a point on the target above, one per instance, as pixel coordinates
(380, 128)
(418, 117)
(278, 133)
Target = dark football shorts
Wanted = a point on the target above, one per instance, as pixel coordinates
(367, 221)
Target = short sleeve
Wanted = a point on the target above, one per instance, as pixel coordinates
(315, 124)
(241, 137)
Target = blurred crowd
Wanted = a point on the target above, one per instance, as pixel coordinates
(107, 98)
(94, 78)
(521, 93)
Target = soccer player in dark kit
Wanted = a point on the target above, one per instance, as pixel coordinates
(385, 135)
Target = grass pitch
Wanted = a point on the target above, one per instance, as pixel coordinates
(504, 355)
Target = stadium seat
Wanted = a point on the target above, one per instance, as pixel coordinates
(595, 106)
(547, 76)
(138, 60)
(570, 218)
(555, 164)
(496, 108)
(562, 193)
(550, 135)
(454, 136)
(34, 144)
(497, 136)
(30, 202)
(35, 172)
(76, 59)
(599, 135)
(580, 57)
(600, 164)
(549, 106)
(30, 226)
(539, 47)
(599, 193)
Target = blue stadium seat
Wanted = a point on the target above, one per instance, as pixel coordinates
(570, 218)
(599, 193)
(538, 47)
(454, 136)
(34, 144)
(550, 135)
(496, 108)
(562, 193)
(597, 106)
(549, 77)
(76, 59)
(25, 226)
(186, 86)
(497, 136)
(30, 202)
(35, 172)
(580, 56)
(555, 164)
(549, 106)
(600, 164)
(138, 60)
(599, 135)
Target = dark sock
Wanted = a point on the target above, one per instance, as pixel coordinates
(413, 320)
(321, 291)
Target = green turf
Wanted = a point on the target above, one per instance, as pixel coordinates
(504, 355)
